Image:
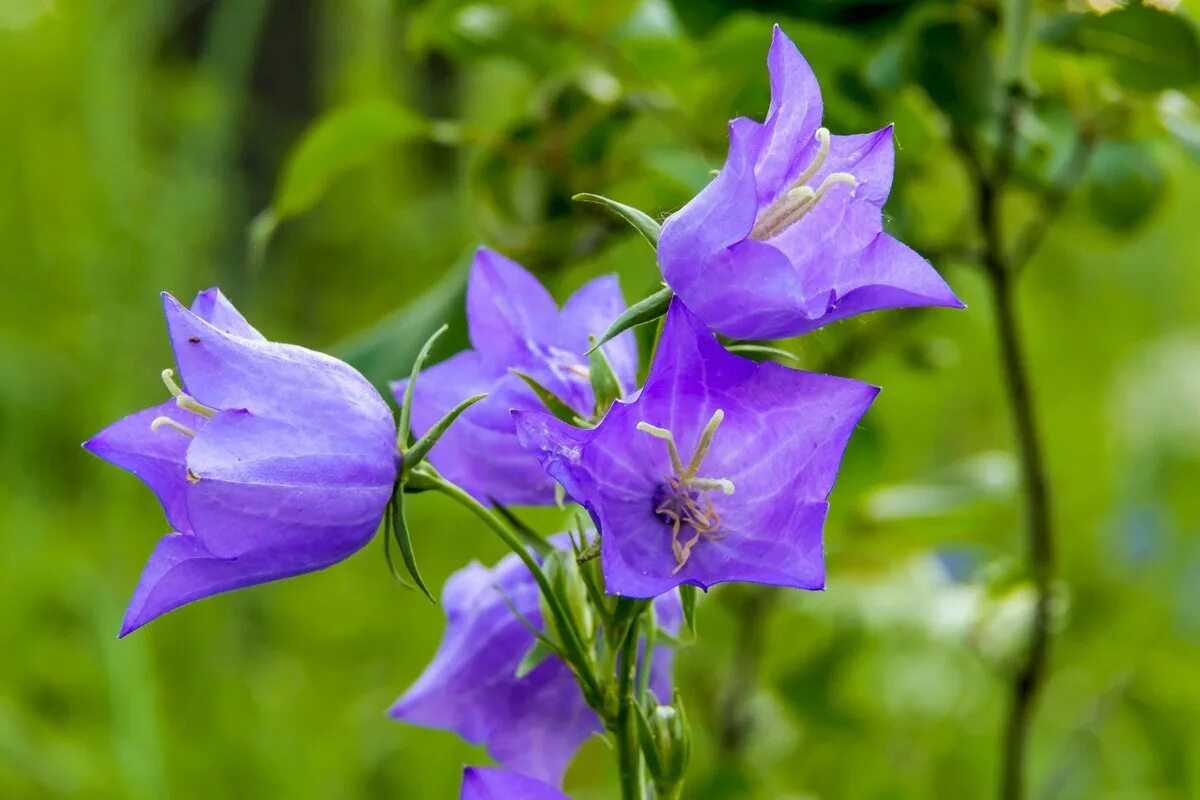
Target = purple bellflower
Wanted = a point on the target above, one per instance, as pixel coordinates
(534, 723)
(490, 783)
(789, 235)
(270, 460)
(718, 471)
(514, 325)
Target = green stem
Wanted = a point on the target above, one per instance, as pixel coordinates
(575, 652)
(622, 725)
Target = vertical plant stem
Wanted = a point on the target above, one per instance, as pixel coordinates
(623, 725)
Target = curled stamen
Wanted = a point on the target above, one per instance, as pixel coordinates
(167, 422)
(712, 484)
(702, 446)
(798, 204)
(669, 438)
(183, 400)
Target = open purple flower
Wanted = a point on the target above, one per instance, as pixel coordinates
(535, 723)
(270, 460)
(514, 325)
(490, 783)
(789, 235)
(718, 471)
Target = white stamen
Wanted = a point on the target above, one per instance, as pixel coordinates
(183, 400)
(167, 422)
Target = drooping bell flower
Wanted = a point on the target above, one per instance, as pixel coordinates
(720, 470)
(270, 460)
(534, 723)
(514, 325)
(490, 783)
(789, 235)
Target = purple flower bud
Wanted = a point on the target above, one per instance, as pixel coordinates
(719, 470)
(514, 324)
(789, 235)
(270, 460)
(489, 783)
(534, 723)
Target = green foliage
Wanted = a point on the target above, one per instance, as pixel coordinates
(141, 141)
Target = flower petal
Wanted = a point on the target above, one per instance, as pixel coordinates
(590, 311)
(181, 571)
(265, 484)
(213, 306)
(507, 309)
(490, 783)
(159, 457)
(788, 136)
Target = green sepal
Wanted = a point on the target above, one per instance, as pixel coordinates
(640, 220)
(553, 403)
(415, 454)
(404, 541)
(645, 310)
(606, 387)
(761, 349)
(406, 403)
(535, 541)
(687, 598)
(534, 656)
(646, 739)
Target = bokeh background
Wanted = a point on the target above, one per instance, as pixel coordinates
(332, 163)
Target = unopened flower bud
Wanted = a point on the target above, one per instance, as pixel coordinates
(566, 581)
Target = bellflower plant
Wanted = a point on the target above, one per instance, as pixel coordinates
(789, 235)
(719, 470)
(269, 460)
(489, 783)
(515, 325)
(534, 721)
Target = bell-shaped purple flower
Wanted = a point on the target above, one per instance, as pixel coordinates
(789, 235)
(490, 783)
(719, 470)
(270, 460)
(534, 723)
(514, 325)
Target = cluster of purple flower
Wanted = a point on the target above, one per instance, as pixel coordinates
(271, 460)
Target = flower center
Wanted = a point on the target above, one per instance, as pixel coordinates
(683, 502)
(800, 198)
(184, 401)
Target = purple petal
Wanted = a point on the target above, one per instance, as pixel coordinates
(507, 309)
(273, 380)
(158, 458)
(534, 724)
(266, 484)
(788, 143)
(181, 571)
(490, 783)
(590, 311)
(213, 306)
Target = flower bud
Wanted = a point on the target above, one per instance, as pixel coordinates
(667, 745)
(566, 581)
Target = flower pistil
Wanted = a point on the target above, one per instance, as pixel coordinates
(800, 198)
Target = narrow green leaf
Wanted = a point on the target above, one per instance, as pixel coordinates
(687, 598)
(761, 349)
(404, 542)
(540, 651)
(645, 310)
(553, 403)
(535, 542)
(406, 404)
(646, 738)
(606, 387)
(420, 449)
(640, 220)
(388, 536)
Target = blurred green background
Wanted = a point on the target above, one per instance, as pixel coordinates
(332, 163)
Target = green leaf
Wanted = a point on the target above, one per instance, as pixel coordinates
(1180, 115)
(339, 141)
(954, 63)
(1124, 185)
(553, 403)
(529, 536)
(416, 454)
(761, 349)
(646, 738)
(410, 387)
(540, 651)
(687, 598)
(640, 220)
(605, 385)
(389, 348)
(645, 310)
(1146, 49)
(404, 542)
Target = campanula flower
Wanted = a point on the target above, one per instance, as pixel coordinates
(789, 235)
(535, 723)
(514, 325)
(270, 460)
(490, 783)
(718, 471)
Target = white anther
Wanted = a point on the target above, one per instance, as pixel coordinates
(167, 422)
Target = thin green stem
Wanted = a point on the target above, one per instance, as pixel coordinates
(622, 725)
(576, 652)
